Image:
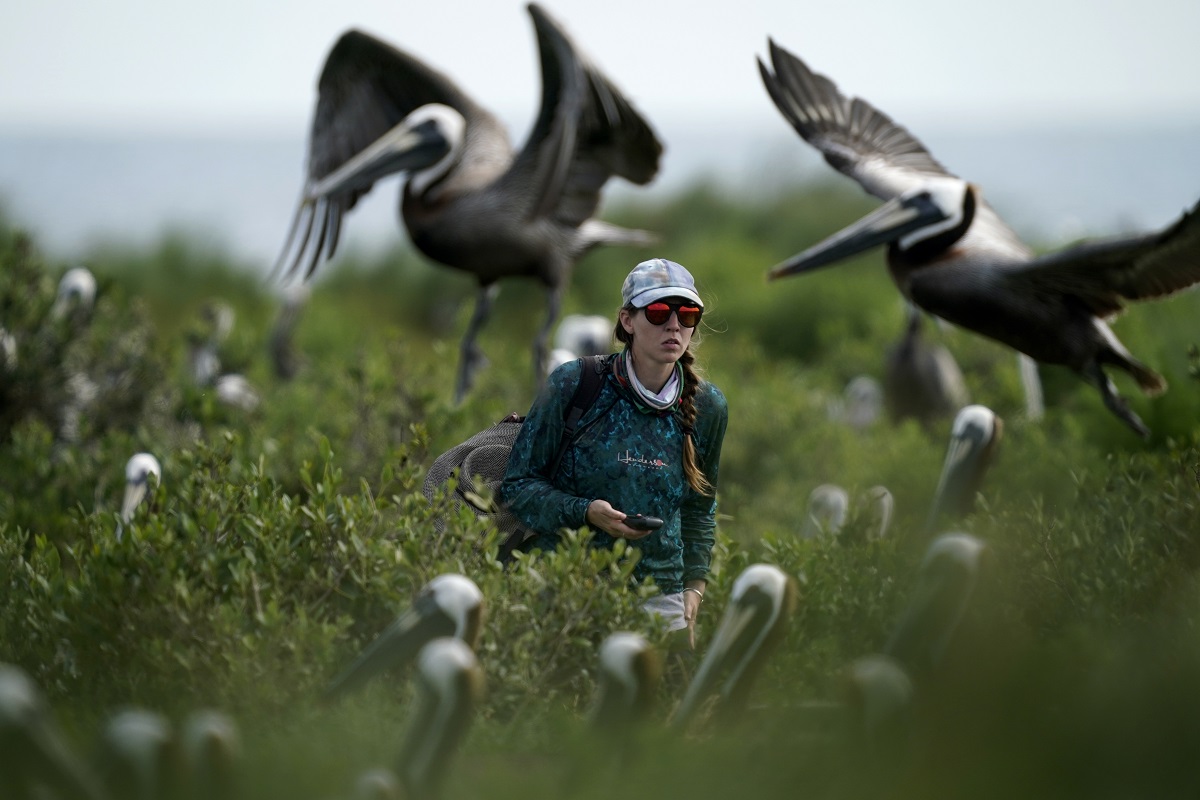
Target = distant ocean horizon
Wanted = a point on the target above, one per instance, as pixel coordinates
(73, 192)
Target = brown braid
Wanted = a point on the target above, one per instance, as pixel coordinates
(686, 413)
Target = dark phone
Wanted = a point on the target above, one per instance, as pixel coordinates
(643, 523)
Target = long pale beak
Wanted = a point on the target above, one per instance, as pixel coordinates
(399, 644)
(738, 636)
(405, 147)
(885, 224)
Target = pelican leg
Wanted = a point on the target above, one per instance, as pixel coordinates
(471, 358)
(1116, 404)
(554, 296)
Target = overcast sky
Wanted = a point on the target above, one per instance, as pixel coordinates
(250, 66)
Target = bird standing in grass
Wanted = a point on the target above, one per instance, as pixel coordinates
(449, 605)
(471, 203)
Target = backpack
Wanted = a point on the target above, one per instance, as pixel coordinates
(485, 455)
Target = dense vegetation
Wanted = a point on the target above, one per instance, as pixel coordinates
(280, 540)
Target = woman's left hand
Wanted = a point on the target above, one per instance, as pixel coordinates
(693, 596)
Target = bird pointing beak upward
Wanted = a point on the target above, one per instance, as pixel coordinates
(890, 222)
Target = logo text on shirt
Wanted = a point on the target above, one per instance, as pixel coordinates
(650, 463)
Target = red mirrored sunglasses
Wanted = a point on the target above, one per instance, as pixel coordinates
(659, 312)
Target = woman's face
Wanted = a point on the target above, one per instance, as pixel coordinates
(656, 344)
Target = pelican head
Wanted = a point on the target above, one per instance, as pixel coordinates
(236, 392)
(880, 506)
(760, 605)
(629, 673)
(451, 684)
(827, 508)
(974, 439)
(948, 574)
(141, 755)
(76, 293)
(32, 751)
(585, 334)
(212, 748)
(425, 144)
(138, 470)
(879, 694)
(449, 605)
(928, 217)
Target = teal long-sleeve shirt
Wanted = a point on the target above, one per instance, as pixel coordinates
(626, 456)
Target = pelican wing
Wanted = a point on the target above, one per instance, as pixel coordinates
(1103, 274)
(856, 138)
(366, 88)
(586, 132)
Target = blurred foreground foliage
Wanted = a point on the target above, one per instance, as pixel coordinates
(283, 539)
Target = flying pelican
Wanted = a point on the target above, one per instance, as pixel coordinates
(138, 470)
(449, 605)
(952, 255)
(921, 380)
(761, 604)
(470, 202)
(948, 574)
(629, 673)
(828, 505)
(974, 441)
(76, 295)
(33, 755)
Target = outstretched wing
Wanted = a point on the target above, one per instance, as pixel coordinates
(1103, 274)
(366, 88)
(586, 132)
(862, 142)
(856, 138)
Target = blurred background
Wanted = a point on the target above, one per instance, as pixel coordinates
(121, 122)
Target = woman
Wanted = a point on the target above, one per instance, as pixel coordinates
(649, 445)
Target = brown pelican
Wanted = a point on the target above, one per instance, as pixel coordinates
(585, 334)
(921, 380)
(470, 202)
(948, 575)
(629, 673)
(34, 758)
(451, 685)
(878, 693)
(828, 505)
(138, 471)
(76, 295)
(760, 606)
(974, 441)
(879, 508)
(140, 756)
(449, 605)
(953, 256)
(236, 392)
(212, 749)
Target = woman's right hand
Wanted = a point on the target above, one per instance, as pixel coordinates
(602, 515)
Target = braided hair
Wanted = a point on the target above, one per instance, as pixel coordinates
(686, 414)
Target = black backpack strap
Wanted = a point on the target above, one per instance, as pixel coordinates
(591, 378)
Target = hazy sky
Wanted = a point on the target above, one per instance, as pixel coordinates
(250, 66)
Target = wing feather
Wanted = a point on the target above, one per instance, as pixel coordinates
(1105, 274)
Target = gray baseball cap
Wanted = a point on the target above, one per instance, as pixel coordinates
(655, 279)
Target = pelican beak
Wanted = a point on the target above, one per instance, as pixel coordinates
(734, 638)
(884, 225)
(397, 645)
(404, 148)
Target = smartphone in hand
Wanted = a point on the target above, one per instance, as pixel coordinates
(640, 522)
